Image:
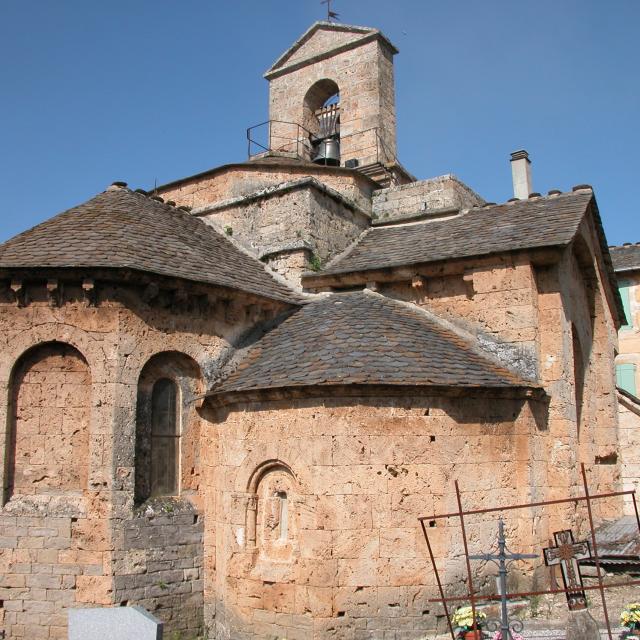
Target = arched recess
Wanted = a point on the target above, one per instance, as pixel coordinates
(48, 422)
(321, 116)
(322, 93)
(167, 427)
(271, 520)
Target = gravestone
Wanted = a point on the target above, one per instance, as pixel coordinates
(117, 623)
(581, 626)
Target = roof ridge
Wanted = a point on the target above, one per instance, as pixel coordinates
(125, 229)
(224, 238)
(345, 252)
(447, 326)
(270, 272)
(541, 221)
(360, 338)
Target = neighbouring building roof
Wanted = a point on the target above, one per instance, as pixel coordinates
(366, 339)
(626, 257)
(618, 542)
(123, 229)
(524, 224)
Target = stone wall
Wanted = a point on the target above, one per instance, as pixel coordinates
(290, 263)
(549, 322)
(303, 214)
(320, 42)
(444, 192)
(365, 80)
(493, 299)
(61, 545)
(234, 181)
(159, 566)
(49, 419)
(357, 474)
(577, 349)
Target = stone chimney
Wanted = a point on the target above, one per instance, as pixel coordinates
(521, 174)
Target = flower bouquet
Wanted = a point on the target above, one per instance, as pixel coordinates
(462, 619)
(514, 636)
(630, 618)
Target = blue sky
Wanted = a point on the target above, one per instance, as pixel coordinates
(145, 91)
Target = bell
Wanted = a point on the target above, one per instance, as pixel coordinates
(328, 152)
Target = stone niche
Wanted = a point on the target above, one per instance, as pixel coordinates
(50, 412)
(319, 527)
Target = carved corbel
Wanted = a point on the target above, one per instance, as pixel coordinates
(19, 292)
(417, 282)
(150, 292)
(179, 300)
(467, 278)
(232, 312)
(89, 292)
(253, 313)
(203, 304)
(54, 292)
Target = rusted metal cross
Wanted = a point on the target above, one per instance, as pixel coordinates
(566, 553)
(503, 558)
(331, 15)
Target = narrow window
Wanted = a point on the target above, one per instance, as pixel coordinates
(165, 438)
(626, 377)
(284, 515)
(578, 373)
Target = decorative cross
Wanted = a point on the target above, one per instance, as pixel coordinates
(566, 553)
(331, 15)
(502, 559)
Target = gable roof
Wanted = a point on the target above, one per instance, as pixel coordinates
(626, 257)
(363, 338)
(352, 36)
(535, 223)
(126, 230)
(525, 224)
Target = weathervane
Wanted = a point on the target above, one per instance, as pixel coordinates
(331, 15)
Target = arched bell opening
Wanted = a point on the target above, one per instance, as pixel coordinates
(322, 120)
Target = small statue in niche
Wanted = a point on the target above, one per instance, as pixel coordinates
(272, 513)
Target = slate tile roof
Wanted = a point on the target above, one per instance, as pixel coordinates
(364, 338)
(123, 229)
(626, 257)
(538, 222)
(618, 542)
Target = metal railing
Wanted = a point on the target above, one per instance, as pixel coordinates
(281, 136)
(291, 137)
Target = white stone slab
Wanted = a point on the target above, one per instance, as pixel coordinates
(116, 623)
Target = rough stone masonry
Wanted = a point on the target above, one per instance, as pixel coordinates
(229, 401)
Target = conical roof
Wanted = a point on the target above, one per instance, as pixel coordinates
(123, 229)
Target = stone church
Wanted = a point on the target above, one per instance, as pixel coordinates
(229, 400)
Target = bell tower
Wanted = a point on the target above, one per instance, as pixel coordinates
(332, 93)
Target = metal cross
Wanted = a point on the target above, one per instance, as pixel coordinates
(566, 553)
(331, 15)
(502, 559)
